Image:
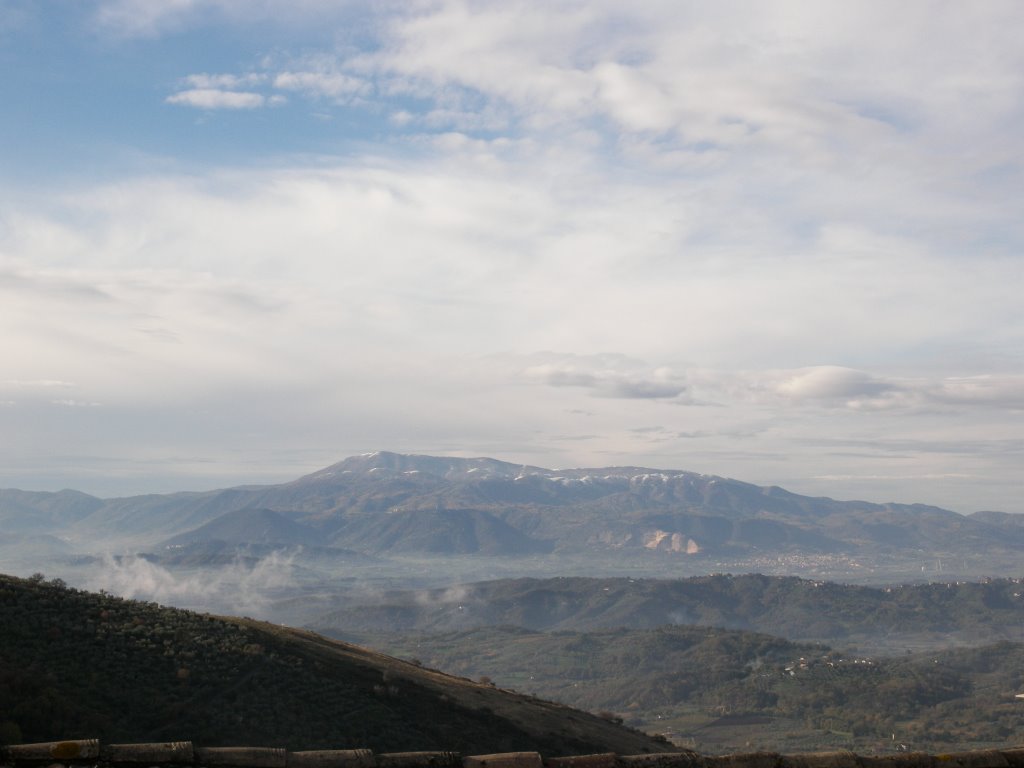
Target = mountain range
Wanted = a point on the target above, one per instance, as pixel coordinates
(395, 504)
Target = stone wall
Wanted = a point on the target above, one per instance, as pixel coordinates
(89, 753)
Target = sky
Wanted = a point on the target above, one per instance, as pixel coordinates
(778, 241)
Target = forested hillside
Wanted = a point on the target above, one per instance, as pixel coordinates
(717, 689)
(799, 609)
(76, 664)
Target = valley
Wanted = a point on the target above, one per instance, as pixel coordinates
(713, 613)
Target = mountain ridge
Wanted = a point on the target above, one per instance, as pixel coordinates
(383, 502)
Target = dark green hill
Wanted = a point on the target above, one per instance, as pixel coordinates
(721, 690)
(798, 609)
(618, 669)
(75, 664)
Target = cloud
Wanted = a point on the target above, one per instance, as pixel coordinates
(925, 477)
(204, 81)
(676, 72)
(810, 113)
(49, 283)
(857, 389)
(215, 98)
(612, 376)
(822, 87)
(1001, 391)
(228, 91)
(804, 214)
(828, 386)
(225, 91)
(693, 435)
(334, 85)
(238, 588)
(145, 19)
(790, 108)
(460, 593)
(837, 385)
(744, 144)
(895, 445)
(641, 388)
(41, 383)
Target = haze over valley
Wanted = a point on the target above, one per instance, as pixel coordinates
(384, 520)
(423, 558)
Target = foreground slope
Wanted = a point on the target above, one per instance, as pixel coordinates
(77, 664)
